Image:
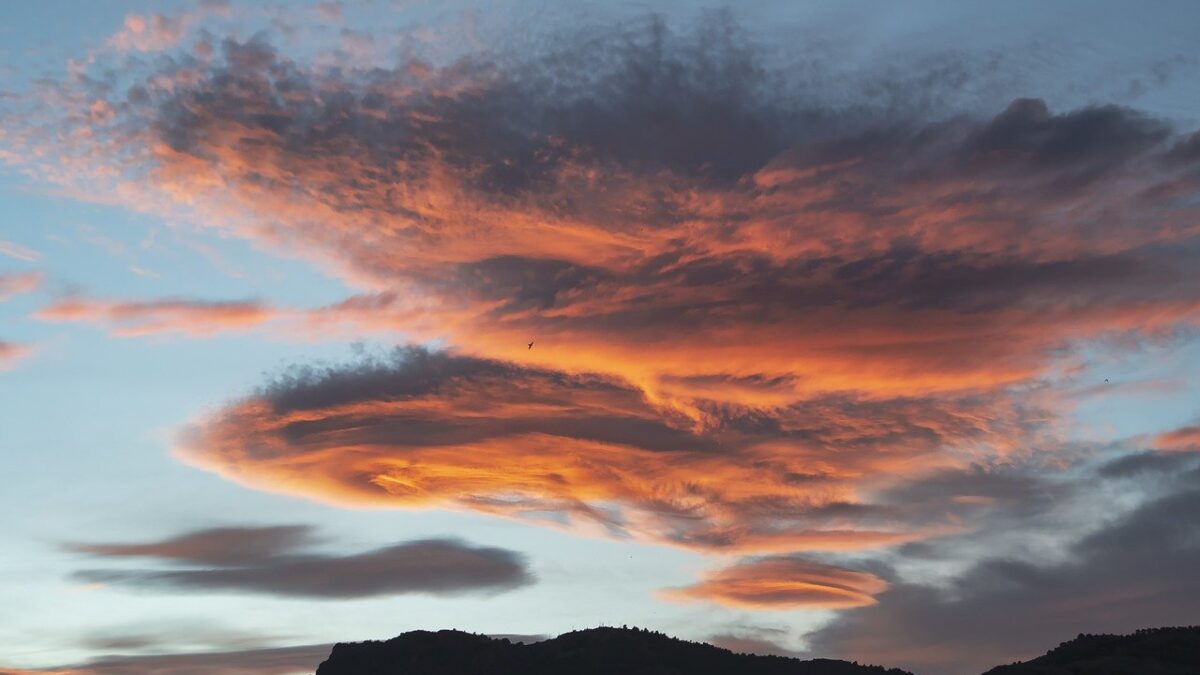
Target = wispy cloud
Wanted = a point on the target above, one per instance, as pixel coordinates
(198, 318)
(19, 252)
(170, 315)
(266, 661)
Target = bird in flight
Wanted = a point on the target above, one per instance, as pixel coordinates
(530, 345)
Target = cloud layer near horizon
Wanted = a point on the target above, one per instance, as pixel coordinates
(265, 661)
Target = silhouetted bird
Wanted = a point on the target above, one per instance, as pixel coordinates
(1106, 380)
(531, 347)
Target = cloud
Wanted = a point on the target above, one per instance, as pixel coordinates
(678, 190)
(1135, 569)
(153, 33)
(12, 352)
(19, 252)
(171, 315)
(747, 644)
(329, 11)
(826, 282)
(1183, 438)
(784, 583)
(771, 313)
(267, 661)
(16, 284)
(419, 428)
(672, 208)
(520, 638)
(166, 635)
(188, 317)
(12, 285)
(224, 546)
(271, 561)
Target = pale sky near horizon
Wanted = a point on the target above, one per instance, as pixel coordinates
(861, 330)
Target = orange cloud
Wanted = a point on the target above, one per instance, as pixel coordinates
(424, 429)
(372, 312)
(752, 315)
(939, 258)
(1183, 438)
(135, 318)
(784, 583)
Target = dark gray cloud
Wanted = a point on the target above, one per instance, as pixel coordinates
(1014, 492)
(434, 566)
(1088, 142)
(1146, 463)
(468, 389)
(1135, 570)
(221, 546)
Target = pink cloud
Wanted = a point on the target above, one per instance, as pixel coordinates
(153, 33)
(17, 284)
(12, 352)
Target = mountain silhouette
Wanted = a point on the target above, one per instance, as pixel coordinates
(597, 651)
(634, 651)
(1150, 651)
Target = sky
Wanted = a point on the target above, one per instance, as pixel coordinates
(851, 330)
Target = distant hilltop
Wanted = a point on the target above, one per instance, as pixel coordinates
(1150, 651)
(633, 651)
(597, 651)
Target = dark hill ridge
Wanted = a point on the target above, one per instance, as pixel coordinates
(1150, 651)
(597, 651)
(623, 651)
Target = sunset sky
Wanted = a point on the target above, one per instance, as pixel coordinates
(859, 330)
